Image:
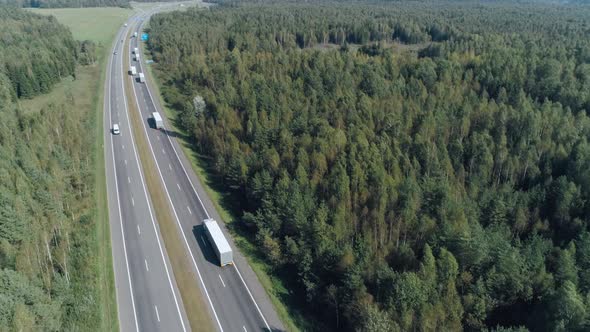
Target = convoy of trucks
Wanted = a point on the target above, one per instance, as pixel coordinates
(218, 242)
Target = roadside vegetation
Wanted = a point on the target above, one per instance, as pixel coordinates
(441, 187)
(186, 280)
(55, 254)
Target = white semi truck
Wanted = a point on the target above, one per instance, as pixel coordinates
(158, 120)
(132, 71)
(218, 242)
(141, 78)
(135, 50)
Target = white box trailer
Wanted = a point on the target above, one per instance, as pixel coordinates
(135, 34)
(218, 242)
(135, 50)
(136, 57)
(158, 120)
(141, 78)
(132, 70)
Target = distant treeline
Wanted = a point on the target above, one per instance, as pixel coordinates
(408, 167)
(72, 3)
(48, 266)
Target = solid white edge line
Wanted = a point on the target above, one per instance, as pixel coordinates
(176, 216)
(200, 201)
(118, 198)
(147, 198)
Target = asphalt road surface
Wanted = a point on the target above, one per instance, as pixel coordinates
(235, 298)
(147, 296)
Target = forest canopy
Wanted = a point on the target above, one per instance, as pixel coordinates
(72, 3)
(417, 166)
(48, 260)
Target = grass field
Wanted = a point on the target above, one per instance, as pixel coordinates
(273, 286)
(99, 25)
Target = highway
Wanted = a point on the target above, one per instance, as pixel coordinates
(147, 296)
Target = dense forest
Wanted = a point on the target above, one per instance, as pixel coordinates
(72, 3)
(48, 279)
(415, 167)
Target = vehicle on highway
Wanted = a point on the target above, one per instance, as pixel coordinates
(158, 123)
(125, 24)
(218, 242)
(116, 129)
(132, 70)
(115, 53)
(141, 78)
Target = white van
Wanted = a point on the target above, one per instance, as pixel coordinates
(116, 129)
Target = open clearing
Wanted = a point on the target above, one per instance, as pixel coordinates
(186, 280)
(99, 25)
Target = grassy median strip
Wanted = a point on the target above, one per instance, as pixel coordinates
(194, 304)
(272, 285)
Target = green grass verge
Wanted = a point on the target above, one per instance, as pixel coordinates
(273, 285)
(99, 25)
(192, 297)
